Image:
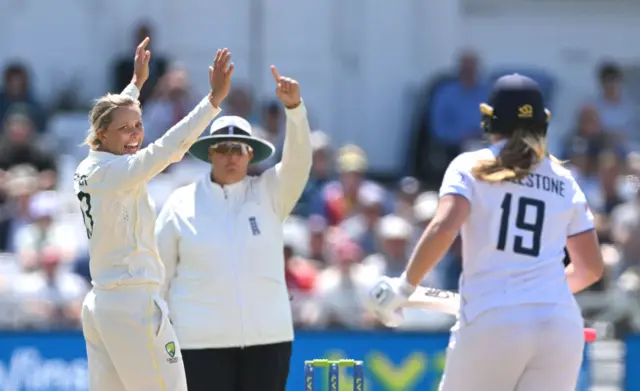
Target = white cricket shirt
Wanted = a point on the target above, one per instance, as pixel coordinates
(118, 215)
(223, 251)
(513, 240)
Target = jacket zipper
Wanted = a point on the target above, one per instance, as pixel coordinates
(234, 263)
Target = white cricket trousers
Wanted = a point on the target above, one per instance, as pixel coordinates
(131, 345)
(536, 347)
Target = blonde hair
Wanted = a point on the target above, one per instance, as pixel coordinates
(522, 151)
(101, 115)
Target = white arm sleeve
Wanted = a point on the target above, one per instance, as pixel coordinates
(457, 181)
(131, 91)
(127, 171)
(582, 218)
(288, 178)
(167, 239)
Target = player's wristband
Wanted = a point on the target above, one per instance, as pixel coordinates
(405, 287)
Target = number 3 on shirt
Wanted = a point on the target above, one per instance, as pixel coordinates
(85, 207)
(535, 226)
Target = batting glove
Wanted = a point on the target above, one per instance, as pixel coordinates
(387, 297)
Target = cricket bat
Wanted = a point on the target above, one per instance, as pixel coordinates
(435, 299)
(449, 303)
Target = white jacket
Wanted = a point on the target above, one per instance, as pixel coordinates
(223, 251)
(112, 190)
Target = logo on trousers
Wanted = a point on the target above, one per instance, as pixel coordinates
(170, 348)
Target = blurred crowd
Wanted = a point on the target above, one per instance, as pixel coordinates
(347, 228)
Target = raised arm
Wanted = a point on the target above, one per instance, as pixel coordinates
(130, 170)
(132, 91)
(140, 70)
(389, 295)
(288, 178)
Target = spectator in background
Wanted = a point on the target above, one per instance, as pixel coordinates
(610, 170)
(583, 147)
(406, 192)
(395, 234)
(609, 193)
(322, 169)
(18, 146)
(50, 296)
(16, 94)
(588, 137)
(171, 100)
(318, 249)
(361, 226)
(455, 117)
(295, 234)
(340, 290)
(123, 66)
(44, 232)
(22, 185)
(169, 103)
(623, 304)
(339, 198)
(321, 173)
(300, 276)
(584, 167)
(446, 273)
(271, 130)
(240, 103)
(10, 312)
(424, 209)
(625, 223)
(616, 110)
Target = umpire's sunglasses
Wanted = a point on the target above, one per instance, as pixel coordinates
(231, 148)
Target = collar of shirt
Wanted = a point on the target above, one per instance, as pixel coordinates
(99, 155)
(222, 191)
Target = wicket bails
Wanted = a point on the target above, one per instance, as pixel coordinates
(334, 373)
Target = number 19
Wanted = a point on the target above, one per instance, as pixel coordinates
(534, 227)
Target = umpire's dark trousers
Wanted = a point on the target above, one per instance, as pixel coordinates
(253, 368)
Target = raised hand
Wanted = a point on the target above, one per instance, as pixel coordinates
(287, 89)
(141, 64)
(220, 77)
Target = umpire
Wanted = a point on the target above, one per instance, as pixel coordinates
(222, 246)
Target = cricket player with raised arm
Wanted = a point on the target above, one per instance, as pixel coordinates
(519, 327)
(131, 345)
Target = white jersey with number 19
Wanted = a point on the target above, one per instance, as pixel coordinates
(514, 238)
